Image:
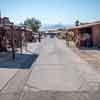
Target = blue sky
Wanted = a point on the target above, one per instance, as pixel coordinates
(51, 11)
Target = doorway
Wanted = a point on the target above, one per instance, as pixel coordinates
(86, 37)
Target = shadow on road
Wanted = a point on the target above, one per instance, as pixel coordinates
(60, 95)
(22, 61)
(83, 48)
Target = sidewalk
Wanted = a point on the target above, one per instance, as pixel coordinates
(9, 68)
(5, 76)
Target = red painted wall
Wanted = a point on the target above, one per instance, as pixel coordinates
(96, 35)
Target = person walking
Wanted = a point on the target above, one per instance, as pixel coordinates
(39, 37)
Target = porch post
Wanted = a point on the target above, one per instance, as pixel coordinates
(12, 42)
(77, 37)
(25, 37)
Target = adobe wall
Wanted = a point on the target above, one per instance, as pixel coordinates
(96, 35)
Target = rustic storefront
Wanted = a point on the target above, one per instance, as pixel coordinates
(87, 35)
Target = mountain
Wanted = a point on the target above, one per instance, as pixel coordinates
(55, 26)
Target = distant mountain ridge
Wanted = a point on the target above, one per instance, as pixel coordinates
(54, 26)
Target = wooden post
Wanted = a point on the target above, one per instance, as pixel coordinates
(77, 37)
(25, 37)
(21, 49)
(12, 42)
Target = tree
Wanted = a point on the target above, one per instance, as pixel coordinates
(77, 22)
(33, 23)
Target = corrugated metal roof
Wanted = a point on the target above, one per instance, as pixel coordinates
(84, 26)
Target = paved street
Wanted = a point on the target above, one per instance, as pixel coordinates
(57, 74)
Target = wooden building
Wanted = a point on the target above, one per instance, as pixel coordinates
(12, 35)
(87, 35)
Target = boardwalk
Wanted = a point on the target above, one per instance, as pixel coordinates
(57, 74)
